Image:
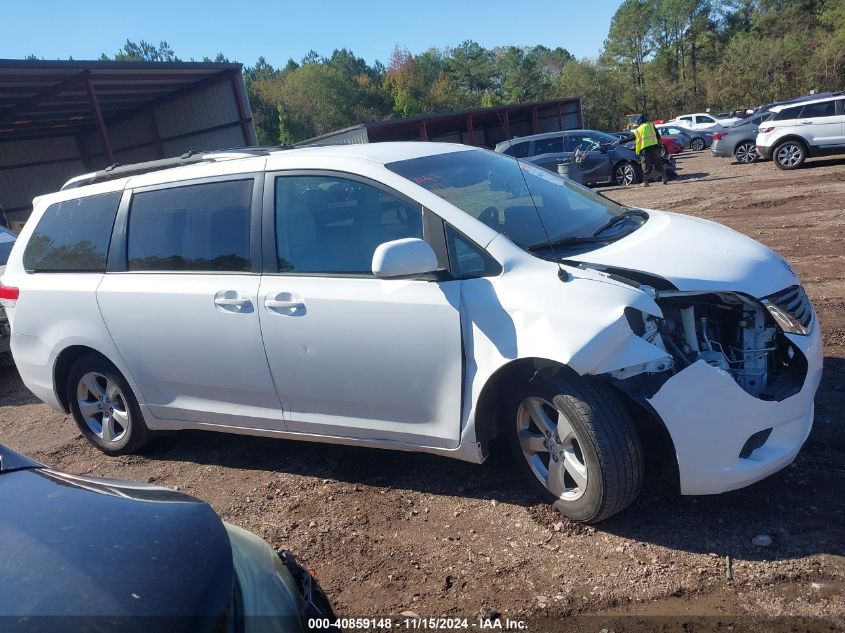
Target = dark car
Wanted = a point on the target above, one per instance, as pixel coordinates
(599, 156)
(90, 554)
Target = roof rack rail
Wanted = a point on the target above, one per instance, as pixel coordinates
(191, 157)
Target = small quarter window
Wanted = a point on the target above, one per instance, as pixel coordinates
(468, 260)
(73, 236)
(518, 150)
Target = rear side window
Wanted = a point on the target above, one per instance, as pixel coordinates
(518, 150)
(553, 145)
(73, 236)
(203, 227)
(823, 109)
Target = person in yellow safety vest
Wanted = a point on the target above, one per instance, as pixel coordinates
(647, 147)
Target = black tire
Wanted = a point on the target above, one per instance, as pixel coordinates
(603, 436)
(129, 435)
(746, 152)
(789, 154)
(626, 173)
(697, 144)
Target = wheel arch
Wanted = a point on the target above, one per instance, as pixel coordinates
(493, 397)
(61, 368)
(492, 407)
(792, 137)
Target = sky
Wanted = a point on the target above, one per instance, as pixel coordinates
(243, 31)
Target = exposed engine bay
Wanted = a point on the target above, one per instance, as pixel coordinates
(731, 332)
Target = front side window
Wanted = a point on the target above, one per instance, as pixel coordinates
(204, 227)
(332, 225)
(788, 113)
(531, 205)
(688, 119)
(819, 110)
(706, 119)
(580, 142)
(73, 236)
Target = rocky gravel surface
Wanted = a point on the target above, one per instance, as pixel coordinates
(393, 532)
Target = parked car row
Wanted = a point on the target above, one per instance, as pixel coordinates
(600, 158)
(787, 133)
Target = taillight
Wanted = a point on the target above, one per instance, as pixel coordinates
(719, 135)
(765, 130)
(8, 293)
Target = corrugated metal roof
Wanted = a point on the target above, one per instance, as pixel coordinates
(52, 97)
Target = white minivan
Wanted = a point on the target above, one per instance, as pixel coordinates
(414, 296)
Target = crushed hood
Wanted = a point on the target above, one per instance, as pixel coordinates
(695, 255)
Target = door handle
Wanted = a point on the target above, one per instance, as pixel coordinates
(231, 299)
(806, 123)
(276, 304)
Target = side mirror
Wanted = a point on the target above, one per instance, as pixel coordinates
(603, 148)
(408, 257)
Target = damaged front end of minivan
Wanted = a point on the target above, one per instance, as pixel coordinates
(735, 388)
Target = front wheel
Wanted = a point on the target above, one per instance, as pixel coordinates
(697, 144)
(746, 152)
(625, 174)
(577, 446)
(789, 155)
(104, 407)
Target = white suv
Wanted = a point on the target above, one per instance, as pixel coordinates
(414, 296)
(810, 128)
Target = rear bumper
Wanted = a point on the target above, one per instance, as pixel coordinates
(721, 150)
(710, 418)
(35, 366)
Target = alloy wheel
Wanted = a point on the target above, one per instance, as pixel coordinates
(789, 155)
(746, 153)
(103, 407)
(697, 144)
(624, 174)
(551, 449)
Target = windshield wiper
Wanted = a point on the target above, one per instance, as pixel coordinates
(628, 213)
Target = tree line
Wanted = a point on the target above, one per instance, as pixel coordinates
(663, 57)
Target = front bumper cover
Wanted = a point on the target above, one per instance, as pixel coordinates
(709, 418)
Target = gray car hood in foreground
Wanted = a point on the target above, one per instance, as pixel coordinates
(695, 255)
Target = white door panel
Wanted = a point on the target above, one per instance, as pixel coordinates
(193, 344)
(365, 358)
(821, 131)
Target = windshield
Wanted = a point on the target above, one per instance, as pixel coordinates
(7, 241)
(527, 203)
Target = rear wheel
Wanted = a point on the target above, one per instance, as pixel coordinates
(746, 152)
(576, 445)
(697, 144)
(104, 407)
(789, 154)
(625, 174)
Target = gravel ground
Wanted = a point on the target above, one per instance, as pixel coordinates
(394, 532)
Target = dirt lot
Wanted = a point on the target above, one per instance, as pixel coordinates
(393, 532)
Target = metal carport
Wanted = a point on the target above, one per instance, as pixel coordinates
(59, 119)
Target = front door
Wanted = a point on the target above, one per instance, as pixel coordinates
(352, 355)
(595, 163)
(183, 309)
